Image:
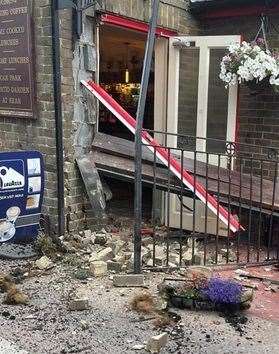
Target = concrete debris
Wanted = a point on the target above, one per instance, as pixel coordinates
(189, 258)
(79, 304)
(119, 259)
(114, 266)
(101, 239)
(118, 246)
(44, 263)
(79, 300)
(274, 288)
(156, 343)
(86, 234)
(228, 253)
(241, 272)
(98, 268)
(84, 325)
(106, 254)
(239, 278)
(112, 246)
(128, 280)
(247, 297)
(138, 347)
(250, 285)
(93, 257)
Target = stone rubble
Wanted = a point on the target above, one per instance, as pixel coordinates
(128, 280)
(44, 263)
(79, 304)
(156, 343)
(116, 249)
(79, 300)
(98, 268)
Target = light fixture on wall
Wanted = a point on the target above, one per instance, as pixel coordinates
(127, 76)
(127, 73)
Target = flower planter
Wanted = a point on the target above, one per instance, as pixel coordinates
(251, 64)
(257, 87)
(181, 302)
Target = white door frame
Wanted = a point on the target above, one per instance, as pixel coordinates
(204, 44)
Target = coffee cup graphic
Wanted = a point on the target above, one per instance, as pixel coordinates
(13, 213)
(7, 231)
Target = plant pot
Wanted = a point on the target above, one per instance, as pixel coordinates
(257, 87)
(231, 308)
(182, 302)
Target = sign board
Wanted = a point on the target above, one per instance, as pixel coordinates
(16, 59)
(21, 195)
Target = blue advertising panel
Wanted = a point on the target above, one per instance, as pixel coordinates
(21, 195)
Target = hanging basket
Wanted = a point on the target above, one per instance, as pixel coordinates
(257, 87)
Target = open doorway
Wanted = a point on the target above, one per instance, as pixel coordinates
(121, 61)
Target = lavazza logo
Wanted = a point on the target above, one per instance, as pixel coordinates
(11, 178)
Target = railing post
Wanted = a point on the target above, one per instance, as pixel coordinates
(58, 116)
(149, 48)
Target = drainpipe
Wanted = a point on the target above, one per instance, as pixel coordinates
(58, 116)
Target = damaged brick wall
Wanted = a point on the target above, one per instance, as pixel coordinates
(79, 112)
(173, 15)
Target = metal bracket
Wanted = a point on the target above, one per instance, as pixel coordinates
(86, 4)
(66, 4)
(182, 43)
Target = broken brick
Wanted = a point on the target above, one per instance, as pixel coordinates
(128, 280)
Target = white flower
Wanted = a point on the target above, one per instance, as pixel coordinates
(247, 62)
(274, 81)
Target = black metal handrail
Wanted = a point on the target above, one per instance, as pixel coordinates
(240, 180)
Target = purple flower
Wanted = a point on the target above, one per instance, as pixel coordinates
(222, 291)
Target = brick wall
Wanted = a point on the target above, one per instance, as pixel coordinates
(21, 133)
(173, 15)
(39, 134)
(259, 114)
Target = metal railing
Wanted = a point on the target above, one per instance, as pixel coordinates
(241, 177)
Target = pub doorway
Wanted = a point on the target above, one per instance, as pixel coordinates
(121, 54)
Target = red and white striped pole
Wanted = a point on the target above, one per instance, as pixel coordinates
(162, 154)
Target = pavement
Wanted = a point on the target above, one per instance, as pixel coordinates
(108, 326)
(7, 347)
(266, 294)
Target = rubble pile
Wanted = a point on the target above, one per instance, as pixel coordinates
(113, 251)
